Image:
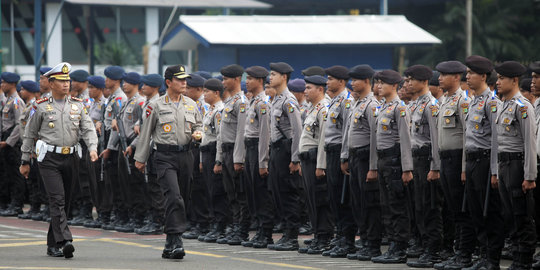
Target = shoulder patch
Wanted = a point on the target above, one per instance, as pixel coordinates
(263, 108)
(493, 106)
(290, 107)
(348, 104)
(402, 111)
(242, 107)
(41, 100)
(76, 99)
(523, 111)
(434, 110)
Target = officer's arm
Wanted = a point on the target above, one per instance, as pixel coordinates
(15, 134)
(239, 152)
(263, 113)
(149, 125)
(462, 115)
(219, 151)
(137, 114)
(492, 117)
(112, 144)
(403, 119)
(88, 131)
(321, 154)
(345, 135)
(296, 124)
(31, 133)
(434, 136)
(527, 124)
(373, 136)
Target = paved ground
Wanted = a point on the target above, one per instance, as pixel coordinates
(23, 246)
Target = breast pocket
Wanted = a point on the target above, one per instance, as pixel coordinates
(385, 125)
(189, 123)
(167, 125)
(333, 116)
(476, 123)
(75, 120)
(229, 116)
(449, 118)
(507, 125)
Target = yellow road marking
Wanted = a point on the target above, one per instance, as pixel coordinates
(122, 242)
(19, 239)
(33, 243)
(275, 264)
(59, 268)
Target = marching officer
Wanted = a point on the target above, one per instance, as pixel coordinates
(173, 122)
(57, 123)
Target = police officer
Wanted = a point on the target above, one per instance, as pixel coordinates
(516, 128)
(535, 90)
(297, 87)
(44, 82)
(339, 109)
(173, 123)
(231, 153)
(426, 162)
(79, 83)
(10, 144)
(57, 123)
(284, 163)
(257, 144)
(394, 164)
(360, 150)
(313, 161)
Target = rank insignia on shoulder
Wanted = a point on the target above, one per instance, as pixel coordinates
(434, 111)
(76, 99)
(523, 112)
(494, 107)
(291, 109)
(347, 104)
(263, 110)
(242, 107)
(41, 100)
(402, 112)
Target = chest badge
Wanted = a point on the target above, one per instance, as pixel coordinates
(167, 128)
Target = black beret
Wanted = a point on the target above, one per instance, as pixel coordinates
(232, 71)
(419, 72)
(361, 72)
(313, 70)
(257, 72)
(435, 79)
(526, 84)
(388, 76)
(535, 67)
(114, 72)
(297, 85)
(177, 71)
(132, 78)
(195, 80)
(97, 81)
(511, 69)
(451, 67)
(43, 70)
(79, 75)
(10, 77)
(33, 87)
(316, 80)
(205, 74)
(281, 67)
(338, 72)
(479, 64)
(214, 85)
(152, 80)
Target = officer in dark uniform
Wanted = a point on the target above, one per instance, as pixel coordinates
(394, 164)
(515, 125)
(57, 124)
(173, 123)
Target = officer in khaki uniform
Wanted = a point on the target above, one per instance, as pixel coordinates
(58, 122)
(394, 164)
(313, 161)
(173, 123)
(516, 127)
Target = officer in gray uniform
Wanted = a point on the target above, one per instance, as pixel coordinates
(516, 127)
(44, 82)
(535, 89)
(360, 150)
(79, 83)
(284, 163)
(339, 109)
(231, 151)
(58, 123)
(313, 161)
(173, 123)
(257, 144)
(10, 144)
(426, 161)
(394, 164)
(219, 205)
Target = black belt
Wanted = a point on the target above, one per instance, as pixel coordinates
(392, 151)
(422, 151)
(363, 150)
(446, 154)
(225, 147)
(209, 147)
(480, 154)
(250, 142)
(279, 143)
(507, 156)
(172, 148)
(309, 155)
(332, 147)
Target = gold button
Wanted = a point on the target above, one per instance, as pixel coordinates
(51, 124)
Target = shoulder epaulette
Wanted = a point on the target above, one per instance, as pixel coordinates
(41, 100)
(76, 99)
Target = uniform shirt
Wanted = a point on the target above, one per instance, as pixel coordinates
(83, 95)
(59, 127)
(258, 126)
(96, 109)
(516, 127)
(537, 113)
(169, 124)
(11, 115)
(451, 120)
(480, 131)
(285, 121)
(25, 116)
(393, 128)
(233, 123)
(47, 94)
(361, 129)
(130, 113)
(424, 127)
(338, 112)
(113, 104)
(313, 132)
(211, 122)
(202, 105)
(304, 107)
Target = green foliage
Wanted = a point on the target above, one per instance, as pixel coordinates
(113, 53)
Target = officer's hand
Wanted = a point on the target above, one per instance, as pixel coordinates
(128, 151)
(217, 169)
(433, 176)
(345, 168)
(238, 167)
(463, 178)
(320, 173)
(200, 166)
(140, 166)
(263, 172)
(24, 170)
(114, 125)
(98, 128)
(105, 154)
(93, 156)
(406, 177)
(137, 129)
(294, 168)
(197, 135)
(494, 181)
(528, 185)
(371, 176)
(3, 144)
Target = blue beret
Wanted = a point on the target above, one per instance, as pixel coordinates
(316, 80)
(152, 80)
(511, 69)
(479, 64)
(257, 72)
(132, 78)
(338, 72)
(419, 72)
(313, 70)
(281, 67)
(232, 71)
(114, 72)
(451, 67)
(79, 75)
(97, 81)
(10, 77)
(18, 87)
(43, 70)
(30, 86)
(163, 88)
(388, 76)
(219, 77)
(205, 74)
(361, 72)
(297, 85)
(195, 80)
(214, 85)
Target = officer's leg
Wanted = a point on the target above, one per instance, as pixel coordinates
(123, 182)
(139, 205)
(420, 183)
(16, 181)
(228, 183)
(199, 198)
(219, 201)
(356, 195)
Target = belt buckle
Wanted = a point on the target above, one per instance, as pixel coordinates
(65, 150)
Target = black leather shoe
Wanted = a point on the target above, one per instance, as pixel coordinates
(151, 228)
(342, 251)
(305, 229)
(237, 239)
(249, 242)
(68, 250)
(283, 239)
(54, 252)
(12, 212)
(367, 253)
(264, 239)
(224, 239)
(441, 265)
(92, 224)
(415, 250)
(217, 233)
(289, 245)
(459, 263)
(193, 233)
(323, 244)
(426, 260)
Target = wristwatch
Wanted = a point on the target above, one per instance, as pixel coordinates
(218, 162)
